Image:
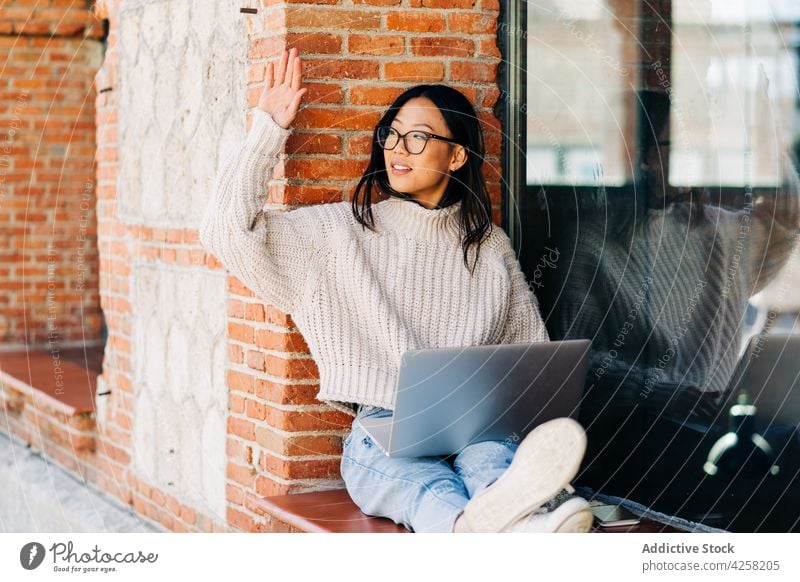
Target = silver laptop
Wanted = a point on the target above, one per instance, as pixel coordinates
(770, 371)
(448, 398)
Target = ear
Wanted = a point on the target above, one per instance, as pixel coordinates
(459, 158)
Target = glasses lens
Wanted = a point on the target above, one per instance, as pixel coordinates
(415, 141)
(387, 137)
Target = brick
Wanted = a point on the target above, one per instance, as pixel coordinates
(329, 92)
(421, 71)
(255, 360)
(378, 2)
(241, 474)
(363, 44)
(332, 18)
(236, 449)
(262, 48)
(488, 121)
(299, 445)
(322, 169)
(307, 420)
(372, 95)
(115, 453)
(296, 368)
(84, 421)
(488, 48)
(314, 43)
(31, 27)
(442, 46)
(313, 143)
(446, 4)
(415, 21)
(359, 145)
(234, 494)
(236, 404)
(188, 515)
(240, 332)
(241, 427)
(173, 506)
(255, 409)
(158, 497)
(286, 393)
(240, 520)
(266, 487)
(69, 29)
(339, 119)
(301, 469)
(472, 23)
(318, 68)
(472, 71)
(311, 194)
(236, 308)
(254, 312)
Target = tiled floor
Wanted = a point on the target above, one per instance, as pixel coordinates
(36, 495)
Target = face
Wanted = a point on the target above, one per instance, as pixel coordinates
(429, 171)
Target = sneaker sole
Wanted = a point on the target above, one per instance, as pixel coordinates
(545, 462)
(580, 522)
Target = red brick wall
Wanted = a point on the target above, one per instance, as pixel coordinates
(280, 439)
(368, 54)
(48, 256)
(357, 58)
(119, 245)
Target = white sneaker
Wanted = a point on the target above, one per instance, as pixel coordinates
(565, 513)
(545, 462)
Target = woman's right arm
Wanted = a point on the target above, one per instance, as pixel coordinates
(270, 251)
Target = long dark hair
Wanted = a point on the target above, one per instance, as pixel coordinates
(653, 113)
(630, 204)
(466, 184)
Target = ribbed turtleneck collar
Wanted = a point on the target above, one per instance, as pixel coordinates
(411, 218)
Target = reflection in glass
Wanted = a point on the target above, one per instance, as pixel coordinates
(682, 205)
(662, 288)
(721, 53)
(578, 71)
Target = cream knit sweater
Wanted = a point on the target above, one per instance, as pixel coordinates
(361, 298)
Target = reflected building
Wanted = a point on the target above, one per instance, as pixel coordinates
(661, 142)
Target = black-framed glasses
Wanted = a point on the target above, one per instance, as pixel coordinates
(415, 140)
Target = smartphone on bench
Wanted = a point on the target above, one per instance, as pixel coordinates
(609, 515)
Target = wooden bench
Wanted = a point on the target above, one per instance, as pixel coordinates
(326, 511)
(334, 512)
(66, 381)
(47, 399)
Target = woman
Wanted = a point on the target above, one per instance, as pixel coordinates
(364, 282)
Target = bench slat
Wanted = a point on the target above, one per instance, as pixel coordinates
(325, 512)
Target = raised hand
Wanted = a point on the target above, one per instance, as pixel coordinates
(282, 94)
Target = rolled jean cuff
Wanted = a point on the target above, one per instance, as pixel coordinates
(438, 519)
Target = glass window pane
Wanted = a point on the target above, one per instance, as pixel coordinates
(578, 77)
(734, 68)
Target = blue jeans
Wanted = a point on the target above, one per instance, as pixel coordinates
(425, 494)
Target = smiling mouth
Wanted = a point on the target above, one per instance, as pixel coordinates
(399, 169)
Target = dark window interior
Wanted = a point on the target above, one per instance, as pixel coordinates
(653, 196)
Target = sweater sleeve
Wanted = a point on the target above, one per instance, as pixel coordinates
(775, 224)
(267, 250)
(523, 321)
